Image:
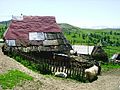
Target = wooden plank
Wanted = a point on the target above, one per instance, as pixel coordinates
(53, 66)
(62, 66)
(50, 42)
(59, 66)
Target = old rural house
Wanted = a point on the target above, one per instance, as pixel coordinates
(40, 39)
(88, 52)
(36, 33)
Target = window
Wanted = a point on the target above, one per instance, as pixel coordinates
(10, 42)
(36, 36)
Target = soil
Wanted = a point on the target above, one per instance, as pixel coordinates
(109, 80)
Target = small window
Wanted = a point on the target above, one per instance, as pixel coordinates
(10, 42)
(40, 36)
(36, 36)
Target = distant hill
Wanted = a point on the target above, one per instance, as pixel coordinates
(5, 22)
(76, 35)
(66, 27)
(107, 37)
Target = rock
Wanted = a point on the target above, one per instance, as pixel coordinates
(61, 74)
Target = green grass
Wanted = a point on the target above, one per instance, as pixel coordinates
(12, 78)
(81, 37)
(110, 38)
(2, 30)
(107, 67)
(110, 50)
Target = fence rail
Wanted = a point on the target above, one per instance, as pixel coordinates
(70, 67)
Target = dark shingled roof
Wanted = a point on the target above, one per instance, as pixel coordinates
(36, 33)
(20, 28)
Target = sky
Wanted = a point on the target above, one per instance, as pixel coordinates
(81, 13)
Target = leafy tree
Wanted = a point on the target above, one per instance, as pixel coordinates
(111, 32)
(83, 36)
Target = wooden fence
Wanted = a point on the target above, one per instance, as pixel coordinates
(70, 67)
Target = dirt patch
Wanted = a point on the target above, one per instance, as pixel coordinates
(107, 81)
(29, 85)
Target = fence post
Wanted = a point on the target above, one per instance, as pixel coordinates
(53, 66)
(59, 66)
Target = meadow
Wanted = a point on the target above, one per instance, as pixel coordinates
(108, 38)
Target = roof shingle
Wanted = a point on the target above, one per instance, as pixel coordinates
(21, 28)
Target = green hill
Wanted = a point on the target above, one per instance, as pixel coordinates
(108, 38)
(67, 27)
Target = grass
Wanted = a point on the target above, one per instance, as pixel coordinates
(109, 66)
(108, 37)
(12, 78)
(110, 50)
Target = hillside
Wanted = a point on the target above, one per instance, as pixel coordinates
(67, 27)
(76, 35)
(108, 38)
(5, 22)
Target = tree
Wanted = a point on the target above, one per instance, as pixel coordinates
(111, 32)
(83, 36)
